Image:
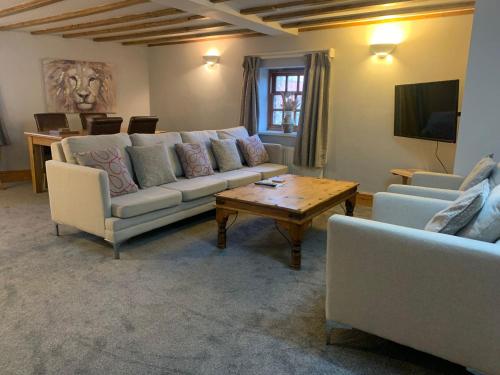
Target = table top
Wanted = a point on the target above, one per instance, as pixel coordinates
(298, 194)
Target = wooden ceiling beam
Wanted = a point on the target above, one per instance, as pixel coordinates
(170, 31)
(138, 26)
(189, 36)
(330, 9)
(74, 14)
(382, 13)
(26, 6)
(210, 38)
(284, 5)
(110, 21)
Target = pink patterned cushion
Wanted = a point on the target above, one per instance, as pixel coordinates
(253, 150)
(111, 161)
(194, 159)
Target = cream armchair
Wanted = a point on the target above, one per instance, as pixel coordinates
(433, 292)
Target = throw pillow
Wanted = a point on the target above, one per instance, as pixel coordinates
(237, 132)
(253, 150)
(486, 225)
(461, 211)
(151, 165)
(481, 171)
(111, 161)
(194, 159)
(226, 153)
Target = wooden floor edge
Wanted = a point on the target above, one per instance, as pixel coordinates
(364, 199)
(15, 176)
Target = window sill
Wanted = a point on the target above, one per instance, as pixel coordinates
(278, 134)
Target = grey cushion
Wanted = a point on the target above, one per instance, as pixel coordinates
(461, 211)
(73, 145)
(144, 201)
(169, 139)
(238, 177)
(151, 165)
(195, 188)
(235, 133)
(226, 153)
(481, 171)
(203, 137)
(268, 170)
(486, 225)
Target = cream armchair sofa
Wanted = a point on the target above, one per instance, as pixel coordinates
(79, 196)
(433, 292)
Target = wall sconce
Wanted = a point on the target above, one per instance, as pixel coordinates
(211, 60)
(382, 50)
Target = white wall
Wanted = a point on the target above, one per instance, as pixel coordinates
(186, 95)
(21, 84)
(480, 131)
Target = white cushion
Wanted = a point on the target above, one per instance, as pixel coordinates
(169, 139)
(227, 155)
(203, 137)
(73, 145)
(486, 225)
(144, 201)
(481, 170)
(268, 170)
(198, 187)
(461, 211)
(238, 177)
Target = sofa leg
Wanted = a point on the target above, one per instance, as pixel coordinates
(56, 229)
(116, 250)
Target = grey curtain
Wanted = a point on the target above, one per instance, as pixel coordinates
(249, 116)
(311, 143)
(4, 141)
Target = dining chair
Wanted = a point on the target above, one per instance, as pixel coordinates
(142, 124)
(108, 125)
(86, 117)
(50, 121)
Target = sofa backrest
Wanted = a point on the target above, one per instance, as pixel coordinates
(203, 137)
(237, 132)
(495, 176)
(57, 152)
(169, 139)
(72, 145)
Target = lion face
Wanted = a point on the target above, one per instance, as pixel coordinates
(74, 86)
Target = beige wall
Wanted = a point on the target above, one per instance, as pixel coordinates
(21, 85)
(186, 95)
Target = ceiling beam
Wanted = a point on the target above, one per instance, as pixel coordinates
(251, 34)
(223, 12)
(170, 31)
(330, 9)
(189, 36)
(137, 26)
(74, 14)
(26, 6)
(382, 13)
(109, 21)
(284, 5)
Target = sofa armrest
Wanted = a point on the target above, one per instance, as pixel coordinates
(79, 196)
(426, 192)
(434, 292)
(406, 210)
(437, 180)
(275, 152)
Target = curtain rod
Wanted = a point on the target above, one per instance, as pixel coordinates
(289, 54)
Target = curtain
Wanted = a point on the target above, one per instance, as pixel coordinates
(249, 116)
(311, 143)
(4, 141)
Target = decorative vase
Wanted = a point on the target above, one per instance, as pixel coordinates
(288, 123)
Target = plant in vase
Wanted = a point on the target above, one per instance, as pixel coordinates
(290, 105)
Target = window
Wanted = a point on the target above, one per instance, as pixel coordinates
(284, 84)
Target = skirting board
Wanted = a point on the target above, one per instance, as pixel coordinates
(15, 176)
(364, 199)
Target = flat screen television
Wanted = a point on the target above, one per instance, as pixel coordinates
(427, 111)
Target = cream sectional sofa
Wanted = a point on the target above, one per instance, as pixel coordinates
(79, 196)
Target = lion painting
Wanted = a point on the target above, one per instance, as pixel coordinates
(79, 86)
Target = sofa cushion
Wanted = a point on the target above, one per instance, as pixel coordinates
(194, 159)
(237, 132)
(195, 188)
(227, 154)
(169, 139)
(495, 176)
(238, 177)
(253, 150)
(144, 201)
(203, 137)
(481, 171)
(151, 165)
(268, 170)
(72, 145)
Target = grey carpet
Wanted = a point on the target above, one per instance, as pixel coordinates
(174, 303)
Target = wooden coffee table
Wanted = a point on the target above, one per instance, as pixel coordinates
(292, 205)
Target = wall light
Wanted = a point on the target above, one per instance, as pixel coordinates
(211, 60)
(382, 50)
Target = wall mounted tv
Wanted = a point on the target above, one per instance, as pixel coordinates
(427, 111)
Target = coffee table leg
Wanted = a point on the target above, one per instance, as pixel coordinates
(350, 204)
(221, 217)
(297, 234)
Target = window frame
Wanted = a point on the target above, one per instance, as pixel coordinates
(273, 74)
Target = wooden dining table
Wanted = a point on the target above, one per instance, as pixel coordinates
(37, 143)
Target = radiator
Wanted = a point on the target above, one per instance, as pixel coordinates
(294, 169)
